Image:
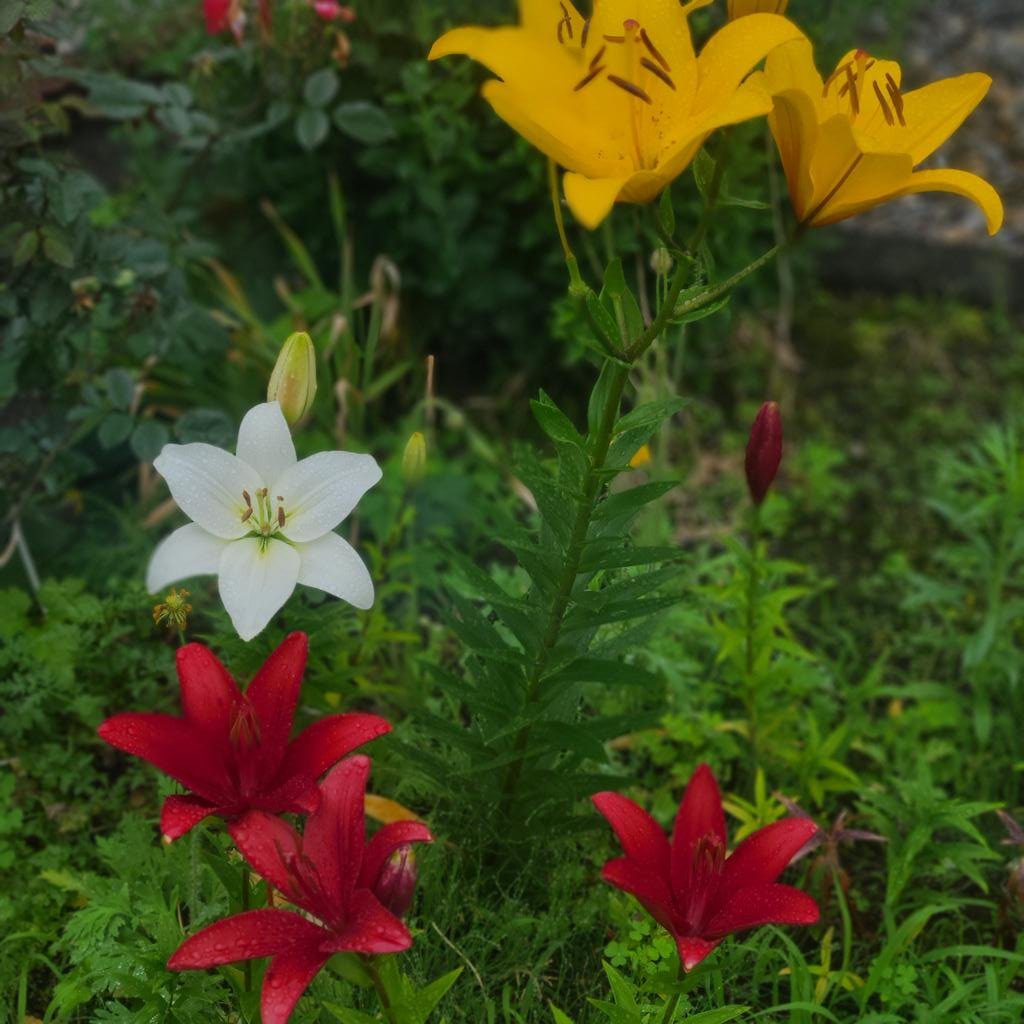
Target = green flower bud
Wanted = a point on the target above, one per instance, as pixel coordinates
(293, 382)
(414, 459)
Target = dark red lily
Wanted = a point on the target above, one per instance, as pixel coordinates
(330, 873)
(689, 886)
(232, 749)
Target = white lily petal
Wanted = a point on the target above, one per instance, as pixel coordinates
(330, 563)
(265, 442)
(189, 551)
(207, 484)
(255, 580)
(321, 490)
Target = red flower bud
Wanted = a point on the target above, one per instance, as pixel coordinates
(397, 881)
(764, 451)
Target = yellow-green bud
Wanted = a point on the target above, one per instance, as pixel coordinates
(293, 382)
(414, 459)
(661, 261)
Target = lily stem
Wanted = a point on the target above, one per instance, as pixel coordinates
(753, 600)
(369, 962)
(599, 445)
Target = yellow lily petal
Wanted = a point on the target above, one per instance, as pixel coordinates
(794, 125)
(932, 114)
(734, 49)
(961, 183)
(543, 16)
(514, 54)
(381, 809)
(747, 102)
(791, 67)
(592, 199)
(847, 180)
(570, 141)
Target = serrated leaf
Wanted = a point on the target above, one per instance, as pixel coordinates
(320, 87)
(311, 127)
(148, 438)
(27, 247)
(364, 122)
(114, 429)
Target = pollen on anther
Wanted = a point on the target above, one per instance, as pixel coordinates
(633, 90)
(897, 98)
(655, 53)
(657, 72)
(584, 34)
(597, 57)
(588, 78)
(886, 112)
(280, 518)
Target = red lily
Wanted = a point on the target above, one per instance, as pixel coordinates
(231, 749)
(689, 886)
(222, 15)
(329, 872)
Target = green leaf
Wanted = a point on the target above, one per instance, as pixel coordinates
(349, 1016)
(430, 995)
(115, 428)
(311, 127)
(603, 671)
(667, 213)
(120, 387)
(363, 121)
(57, 248)
(321, 87)
(26, 248)
(623, 992)
(554, 422)
(627, 503)
(603, 319)
(651, 414)
(148, 438)
(720, 1016)
(559, 1017)
(701, 312)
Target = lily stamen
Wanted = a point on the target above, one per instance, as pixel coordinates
(597, 56)
(897, 98)
(646, 40)
(633, 90)
(615, 39)
(658, 72)
(588, 78)
(584, 34)
(886, 112)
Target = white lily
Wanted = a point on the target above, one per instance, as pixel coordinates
(262, 521)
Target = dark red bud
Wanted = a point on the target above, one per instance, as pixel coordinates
(764, 451)
(397, 881)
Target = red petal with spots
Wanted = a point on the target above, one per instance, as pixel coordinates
(274, 692)
(208, 693)
(370, 928)
(692, 950)
(763, 856)
(326, 742)
(640, 835)
(245, 936)
(763, 904)
(287, 977)
(700, 814)
(180, 814)
(384, 843)
(336, 833)
(650, 889)
(267, 843)
(175, 747)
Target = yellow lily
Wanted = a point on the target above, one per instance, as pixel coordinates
(620, 100)
(741, 8)
(852, 141)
